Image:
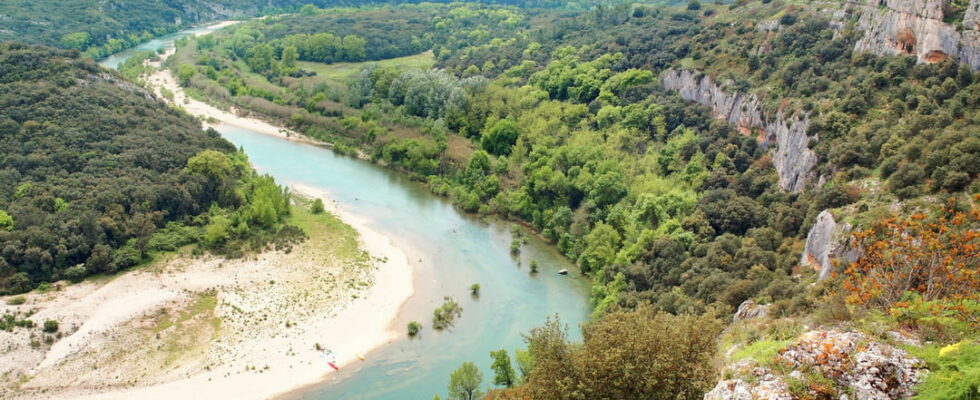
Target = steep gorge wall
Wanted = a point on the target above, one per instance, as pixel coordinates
(793, 160)
(917, 27)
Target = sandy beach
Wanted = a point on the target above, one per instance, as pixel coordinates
(144, 334)
(206, 327)
(213, 116)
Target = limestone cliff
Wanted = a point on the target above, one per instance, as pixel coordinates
(972, 18)
(793, 160)
(917, 27)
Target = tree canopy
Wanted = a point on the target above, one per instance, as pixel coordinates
(97, 174)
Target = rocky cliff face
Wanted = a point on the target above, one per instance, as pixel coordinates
(917, 27)
(793, 160)
(972, 18)
(826, 242)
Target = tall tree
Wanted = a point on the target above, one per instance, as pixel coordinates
(464, 382)
(631, 354)
(288, 60)
(6, 221)
(503, 372)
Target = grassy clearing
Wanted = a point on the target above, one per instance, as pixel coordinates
(327, 233)
(762, 351)
(203, 305)
(192, 328)
(341, 72)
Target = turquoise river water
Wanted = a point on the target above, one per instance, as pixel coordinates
(450, 251)
(165, 42)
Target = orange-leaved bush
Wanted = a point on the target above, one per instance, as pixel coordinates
(934, 257)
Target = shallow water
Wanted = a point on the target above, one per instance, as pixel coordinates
(450, 251)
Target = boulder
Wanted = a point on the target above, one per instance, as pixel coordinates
(827, 241)
(872, 370)
(766, 388)
(750, 309)
(764, 385)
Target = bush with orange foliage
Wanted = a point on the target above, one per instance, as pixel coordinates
(936, 258)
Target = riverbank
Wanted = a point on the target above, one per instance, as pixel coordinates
(191, 326)
(207, 327)
(212, 116)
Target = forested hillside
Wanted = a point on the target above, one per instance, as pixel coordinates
(97, 174)
(690, 159)
(807, 170)
(576, 135)
(100, 28)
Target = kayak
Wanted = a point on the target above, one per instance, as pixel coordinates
(332, 365)
(359, 356)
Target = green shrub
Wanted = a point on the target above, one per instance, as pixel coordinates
(475, 289)
(6, 221)
(11, 321)
(413, 328)
(16, 301)
(75, 273)
(172, 237)
(125, 257)
(50, 326)
(954, 371)
(444, 316)
(317, 207)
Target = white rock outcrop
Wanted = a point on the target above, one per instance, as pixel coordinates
(768, 387)
(871, 369)
(826, 242)
(749, 310)
(793, 159)
(753, 383)
(857, 364)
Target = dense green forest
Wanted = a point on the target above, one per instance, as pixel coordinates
(554, 115)
(97, 175)
(559, 119)
(101, 28)
(561, 123)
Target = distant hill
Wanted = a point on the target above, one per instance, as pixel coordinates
(113, 25)
(95, 172)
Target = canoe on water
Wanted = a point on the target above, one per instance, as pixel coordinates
(332, 365)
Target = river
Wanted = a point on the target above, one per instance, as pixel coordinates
(165, 42)
(450, 250)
